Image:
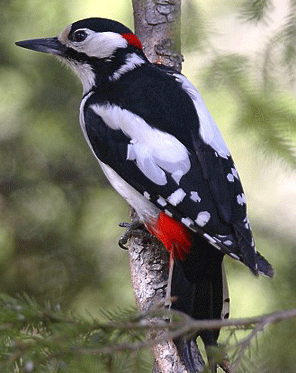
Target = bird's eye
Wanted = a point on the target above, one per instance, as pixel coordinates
(79, 35)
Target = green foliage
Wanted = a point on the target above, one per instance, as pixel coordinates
(256, 10)
(37, 338)
(194, 30)
(58, 216)
(44, 339)
(263, 114)
(50, 238)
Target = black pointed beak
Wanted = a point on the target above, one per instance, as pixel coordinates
(46, 45)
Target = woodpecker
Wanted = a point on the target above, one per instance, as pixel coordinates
(158, 145)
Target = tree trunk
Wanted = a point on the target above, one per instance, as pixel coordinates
(157, 25)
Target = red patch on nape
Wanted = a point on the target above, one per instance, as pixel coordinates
(176, 238)
(132, 40)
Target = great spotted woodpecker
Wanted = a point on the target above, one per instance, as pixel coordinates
(161, 150)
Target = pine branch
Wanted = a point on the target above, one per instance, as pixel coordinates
(38, 336)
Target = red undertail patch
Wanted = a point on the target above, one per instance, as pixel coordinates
(132, 40)
(176, 238)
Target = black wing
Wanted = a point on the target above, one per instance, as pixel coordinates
(210, 197)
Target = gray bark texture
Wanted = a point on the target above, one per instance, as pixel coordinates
(157, 25)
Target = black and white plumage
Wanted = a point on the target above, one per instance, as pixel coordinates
(162, 151)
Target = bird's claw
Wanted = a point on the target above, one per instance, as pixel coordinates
(132, 229)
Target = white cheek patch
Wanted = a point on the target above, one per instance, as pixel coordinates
(99, 44)
(155, 152)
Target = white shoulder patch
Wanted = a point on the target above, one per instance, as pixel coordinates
(155, 152)
(208, 128)
(131, 62)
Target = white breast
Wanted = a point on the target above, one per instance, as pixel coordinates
(145, 209)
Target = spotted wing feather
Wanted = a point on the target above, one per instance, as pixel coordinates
(200, 187)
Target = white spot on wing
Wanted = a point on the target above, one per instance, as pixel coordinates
(154, 151)
(146, 195)
(230, 177)
(187, 221)
(176, 197)
(241, 199)
(161, 201)
(227, 242)
(246, 222)
(195, 197)
(234, 173)
(202, 218)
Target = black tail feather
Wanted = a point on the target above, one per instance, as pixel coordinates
(264, 268)
(189, 354)
(197, 288)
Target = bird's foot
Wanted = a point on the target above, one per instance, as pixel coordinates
(135, 229)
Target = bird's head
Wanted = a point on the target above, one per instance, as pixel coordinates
(96, 48)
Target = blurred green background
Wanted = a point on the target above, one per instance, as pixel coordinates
(59, 217)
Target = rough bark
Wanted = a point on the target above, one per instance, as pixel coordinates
(157, 25)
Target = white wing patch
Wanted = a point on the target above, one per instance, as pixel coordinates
(155, 152)
(208, 128)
